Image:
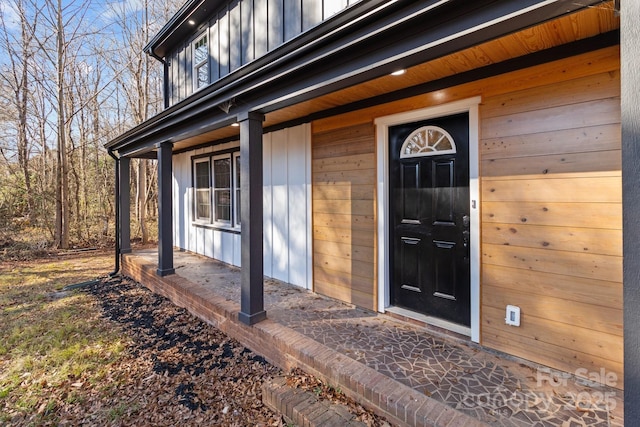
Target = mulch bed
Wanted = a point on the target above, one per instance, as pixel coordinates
(178, 370)
(182, 371)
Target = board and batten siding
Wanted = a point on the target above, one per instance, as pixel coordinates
(551, 208)
(244, 30)
(287, 207)
(344, 178)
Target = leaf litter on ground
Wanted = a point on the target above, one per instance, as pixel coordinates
(159, 366)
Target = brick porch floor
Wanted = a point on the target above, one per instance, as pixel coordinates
(408, 373)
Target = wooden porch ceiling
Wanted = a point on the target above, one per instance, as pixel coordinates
(589, 22)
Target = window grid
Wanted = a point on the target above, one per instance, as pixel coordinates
(202, 181)
(216, 181)
(427, 141)
(222, 189)
(201, 62)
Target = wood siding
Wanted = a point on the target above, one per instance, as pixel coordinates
(551, 208)
(552, 222)
(244, 30)
(344, 176)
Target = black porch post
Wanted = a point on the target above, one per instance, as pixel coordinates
(165, 207)
(125, 205)
(252, 297)
(630, 81)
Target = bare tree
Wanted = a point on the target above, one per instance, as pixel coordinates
(140, 77)
(40, 131)
(19, 47)
(72, 79)
(66, 23)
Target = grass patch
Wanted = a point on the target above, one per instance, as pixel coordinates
(121, 411)
(115, 354)
(53, 343)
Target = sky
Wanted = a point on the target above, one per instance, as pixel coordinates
(100, 14)
(101, 21)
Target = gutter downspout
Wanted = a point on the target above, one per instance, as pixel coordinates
(116, 268)
(165, 85)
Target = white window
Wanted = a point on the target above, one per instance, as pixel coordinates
(216, 181)
(202, 184)
(222, 189)
(427, 141)
(200, 62)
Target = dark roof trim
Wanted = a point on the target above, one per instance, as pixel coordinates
(350, 19)
(178, 27)
(601, 41)
(579, 47)
(345, 57)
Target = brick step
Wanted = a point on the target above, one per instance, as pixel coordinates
(303, 408)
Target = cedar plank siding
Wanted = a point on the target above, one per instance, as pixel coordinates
(552, 222)
(344, 176)
(551, 208)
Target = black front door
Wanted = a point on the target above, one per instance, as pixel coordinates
(429, 212)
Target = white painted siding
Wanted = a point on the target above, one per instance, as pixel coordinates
(287, 209)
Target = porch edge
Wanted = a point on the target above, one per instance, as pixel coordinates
(289, 349)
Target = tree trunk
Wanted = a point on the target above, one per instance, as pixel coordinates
(62, 190)
(23, 143)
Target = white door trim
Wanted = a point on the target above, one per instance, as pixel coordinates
(469, 105)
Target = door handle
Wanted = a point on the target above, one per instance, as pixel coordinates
(466, 221)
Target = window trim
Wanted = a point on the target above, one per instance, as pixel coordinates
(214, 216)
(236, 188)
(195, 217)
(233, 225)
(197, 65)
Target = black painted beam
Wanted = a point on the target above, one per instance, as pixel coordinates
(165, 208)
(630, 103)
(252, 296)
(125, 205)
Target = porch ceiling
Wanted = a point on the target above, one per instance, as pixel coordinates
(584, 24)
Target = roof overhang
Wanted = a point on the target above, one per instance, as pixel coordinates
(359, 49)
(192, 15)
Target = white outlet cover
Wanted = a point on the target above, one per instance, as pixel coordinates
(512, 316)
